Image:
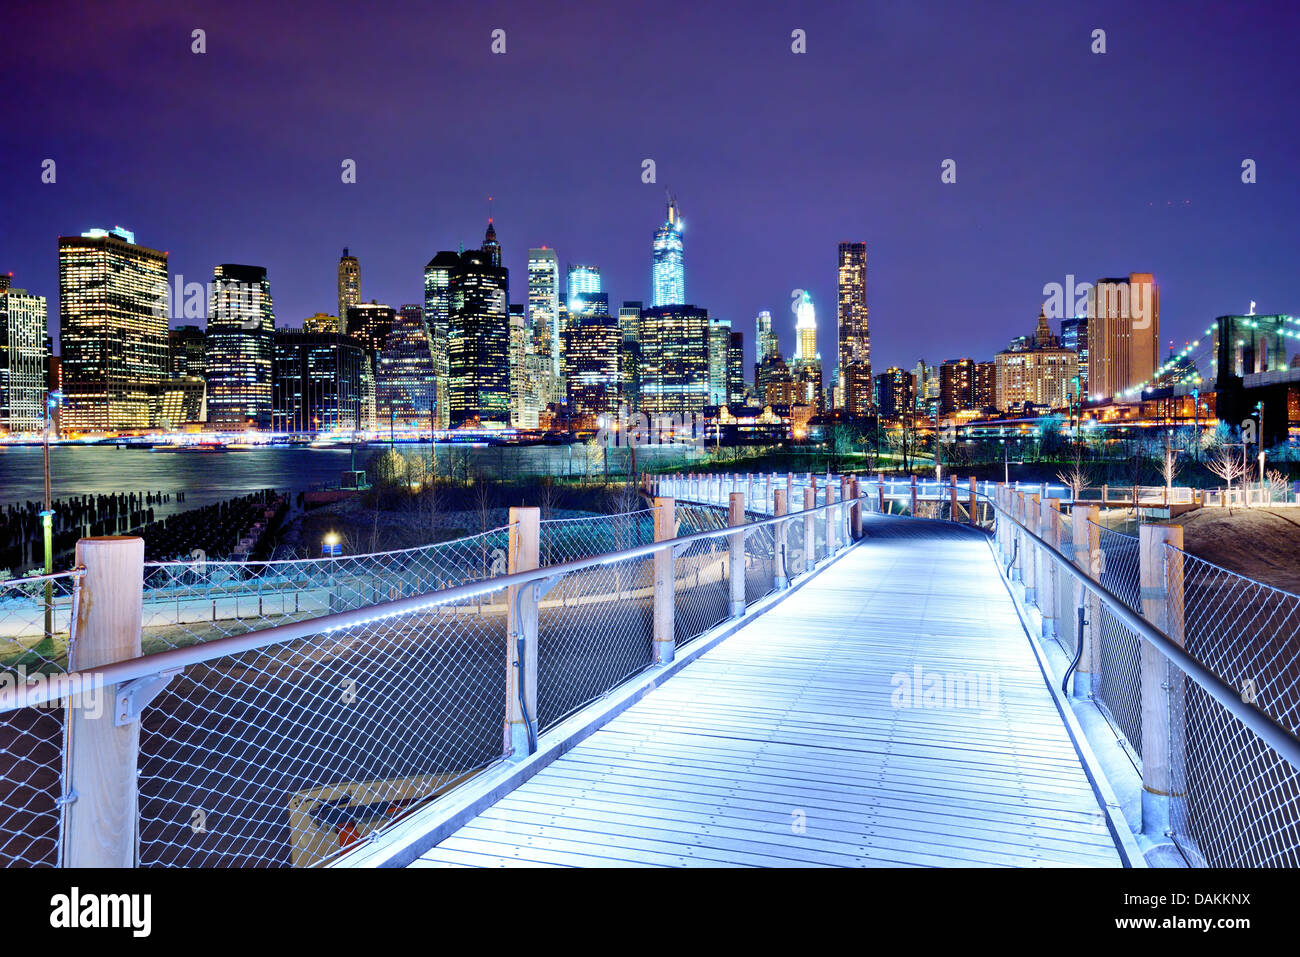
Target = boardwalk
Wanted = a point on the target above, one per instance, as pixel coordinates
(783, 746)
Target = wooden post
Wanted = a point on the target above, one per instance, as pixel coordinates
(830, 521)
(809, 531)
(778, 509)
(855, 513)
(789, 488)
(1087, 556)
(521, 635)
(914, 496)
(1029, 567)
(1162, 601)
(99, 826)
(737, 554)
(880, 495)
(1049, 531)
(974, 502)
(952, 491)
(665, 639)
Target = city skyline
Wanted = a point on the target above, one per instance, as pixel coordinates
(943, 269)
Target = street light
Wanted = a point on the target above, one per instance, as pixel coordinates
(331, 545)
(53, 400)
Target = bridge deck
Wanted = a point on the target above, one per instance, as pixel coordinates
(782, 746)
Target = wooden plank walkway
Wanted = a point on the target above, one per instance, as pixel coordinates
(783, 746)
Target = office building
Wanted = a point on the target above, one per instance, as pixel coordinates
(1074, 335)
(544, 305)
(956, 386)
(854, 378)
(674, 360)
(240, 348)
(317, 382)
(1123, 335)
(113, 306)
(668, 270)
(1036, 372)
(23, 360)
(349, 287)
(478, 342)
(719, 354)
(404, 384)
(186, 347)
(437, 317)
(896, 395)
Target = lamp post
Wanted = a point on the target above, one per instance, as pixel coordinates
(52, 401)
(1259, 407)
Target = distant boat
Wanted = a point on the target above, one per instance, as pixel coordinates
(189, 447)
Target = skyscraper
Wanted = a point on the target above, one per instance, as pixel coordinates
(437, 316)
(404, 381)
(240, 347)
(478, 342)
(629, 357)
(349, 285)
(956, 386)
(1123, 334)
(186, 345)
(807, 370)
(316, 380)
(896, 390)
(113, 309)
(854, 337)
(582, 279)
(668, 271)
(369, 324)
(674, 360)
(491, 246)
(591, 361)
(1074, 335)
(719, 353)
(765, 341)
(544, 304)
(23, 319)
(736, 368)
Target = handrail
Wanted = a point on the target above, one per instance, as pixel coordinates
(1273, 734)
(11, 699)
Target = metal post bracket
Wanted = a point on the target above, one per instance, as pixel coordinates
(132, 697)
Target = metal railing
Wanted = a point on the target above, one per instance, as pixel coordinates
(289, 744)
(1196, 668)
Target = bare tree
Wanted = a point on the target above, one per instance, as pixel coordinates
(1279, 486)
(1078, 476)
(1169, 469)
(1227, 465)
(483, 503)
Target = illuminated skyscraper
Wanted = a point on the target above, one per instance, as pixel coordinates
(491, 246)
(544, 304)
(23, 319)
(349, 285)
(316, 381)
(668, 272)
(854, 338)
(478, 342)
(437, 316)
(765, 340)
(1123, 334)
(736, 368)
(404, 382)
(582, 279)
(629, 358)
(956, 386)
(187, 345)
(113, 307)
(807, 371)
(240, 347)
(369, 323)
(719, 353)
(674, 360)
(591, 361)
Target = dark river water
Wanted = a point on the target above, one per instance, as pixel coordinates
(219, 476)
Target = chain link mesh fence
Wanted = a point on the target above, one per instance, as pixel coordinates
(188, 603)
(1237, 801)
(1119, 688)
(37, 618)
(595, 630)
(760, 562)
(290, 754)
(568, 539)
(702, 588)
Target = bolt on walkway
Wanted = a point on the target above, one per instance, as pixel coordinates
(889, 713)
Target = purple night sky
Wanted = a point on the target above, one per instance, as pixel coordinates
(1067, 161)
